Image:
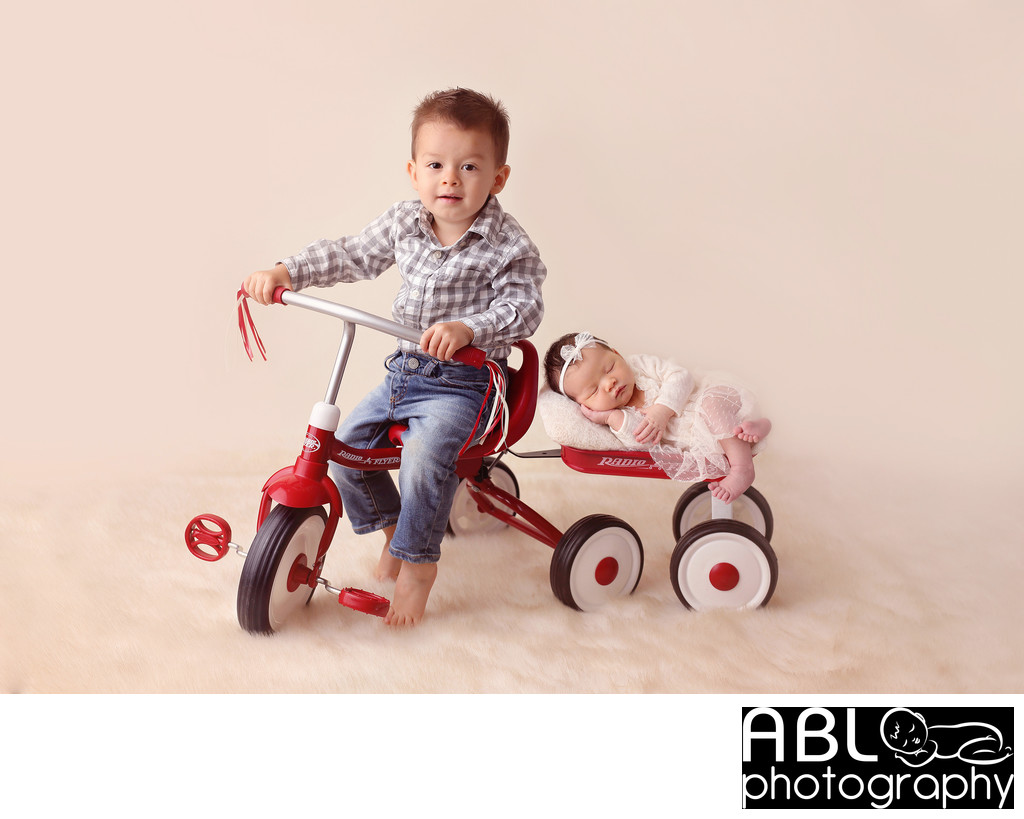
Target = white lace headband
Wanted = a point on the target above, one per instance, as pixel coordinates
(574, 352)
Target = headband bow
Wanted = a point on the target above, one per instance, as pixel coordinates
(574, 352)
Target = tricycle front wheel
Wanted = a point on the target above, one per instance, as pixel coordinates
(274, 581)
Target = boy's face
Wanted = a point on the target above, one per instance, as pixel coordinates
(601, 381)
(454, 171)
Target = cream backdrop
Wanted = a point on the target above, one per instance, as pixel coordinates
(822, 197)
(819, 197)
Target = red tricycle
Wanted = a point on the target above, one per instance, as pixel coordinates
(723, 557)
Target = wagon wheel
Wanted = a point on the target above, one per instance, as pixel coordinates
(694, 506)
(724, 564)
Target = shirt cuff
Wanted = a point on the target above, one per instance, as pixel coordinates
(298, 271)
(480, 328)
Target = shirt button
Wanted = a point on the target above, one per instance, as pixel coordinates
(414, 363)
(415, 294)
(437, 255)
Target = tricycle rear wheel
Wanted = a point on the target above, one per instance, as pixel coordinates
(599, 558)
(466, 517)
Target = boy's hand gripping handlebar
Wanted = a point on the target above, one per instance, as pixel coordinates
(282, 295)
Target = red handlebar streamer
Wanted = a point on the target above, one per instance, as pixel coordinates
(244, 317)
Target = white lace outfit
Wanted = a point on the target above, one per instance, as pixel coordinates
(708, 408)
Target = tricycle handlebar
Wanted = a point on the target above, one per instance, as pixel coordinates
(473, 356)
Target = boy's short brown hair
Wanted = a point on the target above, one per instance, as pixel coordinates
(469, 110)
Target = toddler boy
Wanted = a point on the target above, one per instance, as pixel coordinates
(470, 275)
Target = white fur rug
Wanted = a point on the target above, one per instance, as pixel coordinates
(913, 589)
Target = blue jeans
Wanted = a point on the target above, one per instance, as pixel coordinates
(440, 403)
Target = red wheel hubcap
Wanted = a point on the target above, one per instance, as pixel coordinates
(607, 570)
(724, 576)
(299, 573)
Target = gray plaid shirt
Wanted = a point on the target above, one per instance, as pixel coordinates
(490, 279)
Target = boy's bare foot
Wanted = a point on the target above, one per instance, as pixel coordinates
(753, 431)
(415, 580)
(388, 565)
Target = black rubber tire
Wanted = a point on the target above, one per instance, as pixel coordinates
(259, 610)
(566, 569)
(707, 535)
(696, 492)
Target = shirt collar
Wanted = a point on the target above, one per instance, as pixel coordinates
(487, 224)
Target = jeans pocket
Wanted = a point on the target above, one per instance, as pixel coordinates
(464, 377)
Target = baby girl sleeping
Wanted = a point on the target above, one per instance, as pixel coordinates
(695, 430)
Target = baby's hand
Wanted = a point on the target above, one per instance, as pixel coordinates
(262, 284)
(445, 339)
(653, 424)
(597, 416)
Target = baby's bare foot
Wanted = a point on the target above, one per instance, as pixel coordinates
(753, 431)
(739, 479)
(412, 589)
